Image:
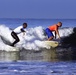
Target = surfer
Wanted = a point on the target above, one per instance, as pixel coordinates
(52, 28)
(17, 31)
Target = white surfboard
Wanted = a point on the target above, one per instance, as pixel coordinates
(52, 44)
(10, 48)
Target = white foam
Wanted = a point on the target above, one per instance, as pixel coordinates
(6, 47)
(5, 33)
(31, 40)
(65, 32)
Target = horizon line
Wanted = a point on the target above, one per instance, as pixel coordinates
(37, 18)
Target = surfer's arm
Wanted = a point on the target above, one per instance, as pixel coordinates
(22, 30)
(57, 33)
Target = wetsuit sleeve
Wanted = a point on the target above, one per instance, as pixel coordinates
(22, 30)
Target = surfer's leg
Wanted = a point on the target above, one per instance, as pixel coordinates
(50, 34)
(50, 38)
(14, 35)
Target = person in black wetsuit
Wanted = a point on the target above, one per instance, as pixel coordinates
(17, 31)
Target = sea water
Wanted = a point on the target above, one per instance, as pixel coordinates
(13, 23)
(34, 58)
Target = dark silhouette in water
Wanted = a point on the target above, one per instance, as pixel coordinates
(70, 40)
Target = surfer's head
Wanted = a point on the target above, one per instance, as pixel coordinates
(24, 25)
(59, 24)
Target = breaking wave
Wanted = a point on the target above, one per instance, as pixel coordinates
(31, 40)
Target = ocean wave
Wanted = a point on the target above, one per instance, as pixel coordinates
(31, 40)
(70, 41)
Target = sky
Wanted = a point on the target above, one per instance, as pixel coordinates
(38, 9)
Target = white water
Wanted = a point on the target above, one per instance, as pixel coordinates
(30, 41)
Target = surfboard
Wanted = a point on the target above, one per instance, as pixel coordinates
(52, 44)
(10, 48)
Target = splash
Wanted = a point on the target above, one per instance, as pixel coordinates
(32, 40)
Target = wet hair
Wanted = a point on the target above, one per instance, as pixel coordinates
(60, 23)
(25, 24)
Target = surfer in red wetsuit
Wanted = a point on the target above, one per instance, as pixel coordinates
(52, 28)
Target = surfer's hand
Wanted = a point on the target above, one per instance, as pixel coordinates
(59, 38)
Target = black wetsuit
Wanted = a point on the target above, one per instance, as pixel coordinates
(14, 35)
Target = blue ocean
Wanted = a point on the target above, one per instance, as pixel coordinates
(30, 56)
(13, 23)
